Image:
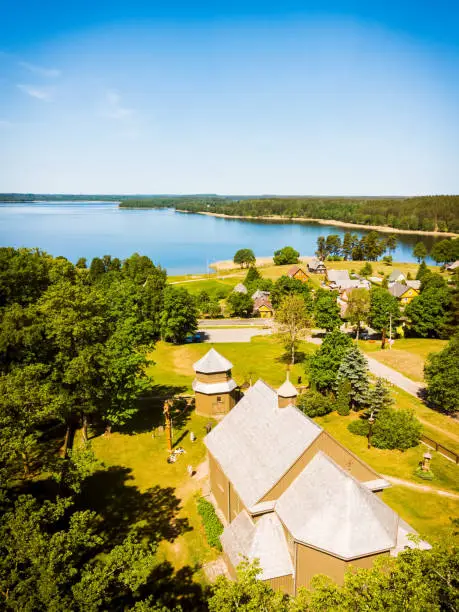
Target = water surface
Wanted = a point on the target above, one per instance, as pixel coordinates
(182, 243)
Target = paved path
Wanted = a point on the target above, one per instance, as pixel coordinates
(420, 487)
(242, 322)
(383, 371)
(397, 379)
(233, 335)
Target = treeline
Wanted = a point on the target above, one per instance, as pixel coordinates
(426, 213)
(368, 248)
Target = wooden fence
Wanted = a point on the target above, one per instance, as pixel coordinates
(446, 452)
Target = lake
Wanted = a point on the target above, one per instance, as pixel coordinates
(181, 243)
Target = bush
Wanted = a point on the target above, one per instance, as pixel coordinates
(366, 269)
(211, 522)
(429, 475)
(287, 255)
(315, 404)
(393, 429)
(343, 397)
(387, 259)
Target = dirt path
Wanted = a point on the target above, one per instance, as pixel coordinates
(420, 487)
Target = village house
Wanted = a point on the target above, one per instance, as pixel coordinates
(293, 497)
(240, 288)
(396, 277)
(317, 266)
(262, 306)
(298, 273)
(403, 292)
(259, 294)
(452, 266)
(335, 277)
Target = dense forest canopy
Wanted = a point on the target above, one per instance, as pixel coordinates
(427, 213)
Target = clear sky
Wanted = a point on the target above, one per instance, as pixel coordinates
(238, 97)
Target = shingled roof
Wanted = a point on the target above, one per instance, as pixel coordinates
(327, 508)
(337, 275)
(212, 362)
(398, 289)
(263, 540)
(257, 442)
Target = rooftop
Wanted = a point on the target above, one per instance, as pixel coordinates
(327, 508)
(398, 289)
(263, 540)
(212, 362)
(287, 389)
(337, 275)
(257, 442)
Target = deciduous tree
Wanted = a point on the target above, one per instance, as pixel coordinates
(286, 255)
(322, 366)
(294, 319)
(244, 258)
(358, 307)
(326, 310)
(442, 376)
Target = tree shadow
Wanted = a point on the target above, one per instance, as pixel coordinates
(176, 589)
(149, 413)
(286, 357)
(124, 509)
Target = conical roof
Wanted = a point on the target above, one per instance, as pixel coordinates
(287, 389)
(212, 362)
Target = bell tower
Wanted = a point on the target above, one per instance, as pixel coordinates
(286, 394)
(214, 388)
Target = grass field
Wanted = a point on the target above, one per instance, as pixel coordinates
(407, 355)
(145, 458)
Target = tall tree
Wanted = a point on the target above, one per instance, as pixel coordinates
(441, 372)
(391, 243)
(428, 312)
(286, 255)
(322, 366)
(294, 319)
(349, 243)
(354, 368)
(358, 307)
(321, 250)
(179, 314)
(420, 251)
(244, 258)
(384, 310)
(326, 310)
(333, 244)
(285, 285)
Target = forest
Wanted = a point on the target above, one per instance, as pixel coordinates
(426, 213)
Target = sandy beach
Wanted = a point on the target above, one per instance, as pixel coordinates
(378, 228)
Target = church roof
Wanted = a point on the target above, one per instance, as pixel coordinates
(257, 442)
(287, 389)
(212, 362)
(263, 540)
(212, 388)
(327, 508)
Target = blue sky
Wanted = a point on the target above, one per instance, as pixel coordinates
(243, 97)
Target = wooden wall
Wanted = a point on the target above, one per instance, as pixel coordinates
(207, 405)
(282, 583)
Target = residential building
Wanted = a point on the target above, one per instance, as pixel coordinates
(293, 497)
(240, 288)
(317, 266)
(259, 294)
(396, 277)
(452, 266)
(403, 292)
(262, 306)
(215, 390)
(298, 273)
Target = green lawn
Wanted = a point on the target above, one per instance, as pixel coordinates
(407, 355)
(428, 513)
(145, 457)
(221, 286)
(263, 357)
(392, 462)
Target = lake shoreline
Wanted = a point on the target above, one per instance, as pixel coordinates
(378, 228)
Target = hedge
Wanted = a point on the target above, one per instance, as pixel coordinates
(211, 522)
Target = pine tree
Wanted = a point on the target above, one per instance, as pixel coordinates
(380, 398)
(354, 368)
(421, 270)
(343, 397)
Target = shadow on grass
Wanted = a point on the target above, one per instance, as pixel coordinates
(173, 589)
(286, 357)
(124, 509)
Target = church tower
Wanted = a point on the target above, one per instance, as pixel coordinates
(286, 394)
(215, 390)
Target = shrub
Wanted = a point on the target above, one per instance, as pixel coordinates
(392, 429)
(366, 269)
(429, 475)
(387, 259)
(287, 255)
(343, 397)
(315, 404)
(211, 522)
